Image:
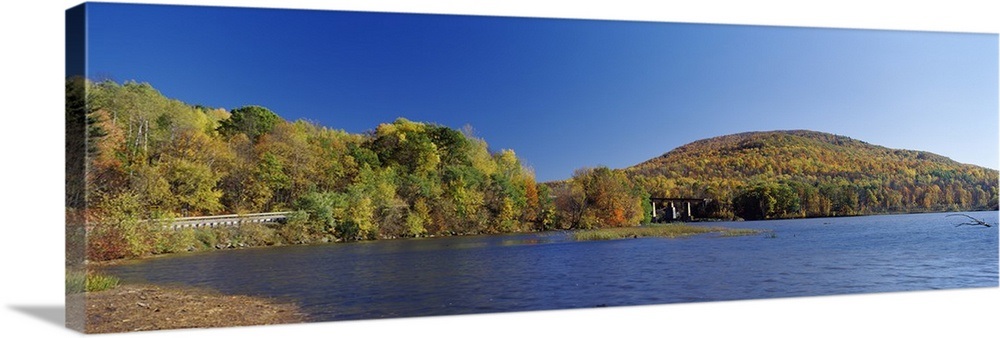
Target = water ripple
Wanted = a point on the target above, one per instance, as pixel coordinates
(479, 274)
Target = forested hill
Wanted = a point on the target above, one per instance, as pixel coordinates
(802, 173)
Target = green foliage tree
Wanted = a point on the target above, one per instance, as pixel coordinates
(325, 209)
(252, 121)
(417, 218)
(766, 200)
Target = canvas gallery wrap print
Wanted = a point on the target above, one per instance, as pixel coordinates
(284, 166)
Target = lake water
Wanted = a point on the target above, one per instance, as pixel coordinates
(479, 274)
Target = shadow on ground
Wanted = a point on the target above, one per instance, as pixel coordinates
(52, 314)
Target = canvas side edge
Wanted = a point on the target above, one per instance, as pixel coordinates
(76, 158)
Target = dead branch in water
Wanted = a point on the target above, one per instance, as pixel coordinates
(974, 221)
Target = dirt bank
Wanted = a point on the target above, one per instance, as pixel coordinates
(149, 307)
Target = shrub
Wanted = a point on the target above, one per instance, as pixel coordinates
(256, 234)
(297, 228)
(77, 282)
(118, 232)
(223, 235)
(206, 237)
(180, 240)
(105, 243)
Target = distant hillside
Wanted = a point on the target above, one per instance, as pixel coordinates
(802, 173)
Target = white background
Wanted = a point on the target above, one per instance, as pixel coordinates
(31, 169)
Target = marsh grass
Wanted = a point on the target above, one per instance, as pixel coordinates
(77, 282)
(668, 230)
(742, 232)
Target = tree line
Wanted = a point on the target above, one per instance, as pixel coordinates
(150, 157)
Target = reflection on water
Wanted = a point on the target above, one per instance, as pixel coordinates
(477, 274)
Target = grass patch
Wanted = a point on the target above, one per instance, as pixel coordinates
(741, 232)
(77, 282)
(669, 231)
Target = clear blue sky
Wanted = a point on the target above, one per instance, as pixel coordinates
(564, 94)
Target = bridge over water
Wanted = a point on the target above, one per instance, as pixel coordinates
(678, 209)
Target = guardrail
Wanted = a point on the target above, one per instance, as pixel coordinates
(226, 220)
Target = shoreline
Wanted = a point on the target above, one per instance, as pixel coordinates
(103, 263)
(145, 307)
